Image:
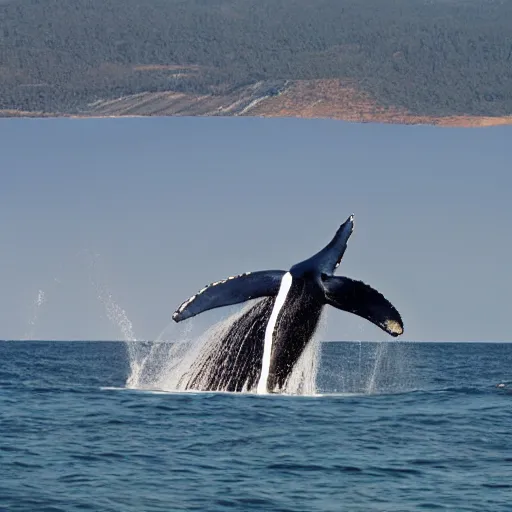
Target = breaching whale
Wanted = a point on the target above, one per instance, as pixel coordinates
(260, 348)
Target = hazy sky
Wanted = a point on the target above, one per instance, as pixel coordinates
(153, 209)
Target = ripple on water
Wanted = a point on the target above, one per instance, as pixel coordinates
(68, 445)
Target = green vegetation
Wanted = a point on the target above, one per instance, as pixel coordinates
(432, 57)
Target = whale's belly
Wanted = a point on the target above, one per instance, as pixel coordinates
(295, 327)
(233, 362)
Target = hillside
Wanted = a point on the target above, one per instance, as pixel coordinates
(438, 61)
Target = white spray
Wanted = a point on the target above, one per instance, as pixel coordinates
(36, 309)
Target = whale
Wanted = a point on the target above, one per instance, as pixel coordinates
(259, 349)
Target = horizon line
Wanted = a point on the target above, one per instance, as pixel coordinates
(22, 340)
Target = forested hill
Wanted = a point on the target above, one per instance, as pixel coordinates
(423, 58)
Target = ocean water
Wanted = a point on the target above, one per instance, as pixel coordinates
(394, 427)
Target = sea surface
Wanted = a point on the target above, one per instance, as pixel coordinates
(394, 427)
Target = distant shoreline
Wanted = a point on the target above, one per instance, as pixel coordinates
(444, 122)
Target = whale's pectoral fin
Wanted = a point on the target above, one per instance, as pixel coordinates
(232, 290)
(360, 299)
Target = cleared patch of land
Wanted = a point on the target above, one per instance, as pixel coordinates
(310, 99)
(333, 99)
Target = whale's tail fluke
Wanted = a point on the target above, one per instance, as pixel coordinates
(340, 292)
(233, 290)
(329, 258)
(362, 300)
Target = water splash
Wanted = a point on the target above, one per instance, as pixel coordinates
(168, 365)
(367, 368)
(360, 361)
(116, 314)
(303, 379)
(36, 310)
(380, 353)
(119, 318)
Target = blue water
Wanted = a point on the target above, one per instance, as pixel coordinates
(434, 434)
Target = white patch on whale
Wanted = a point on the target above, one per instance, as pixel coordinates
(286, 283)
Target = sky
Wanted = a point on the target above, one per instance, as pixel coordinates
(139, 214)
